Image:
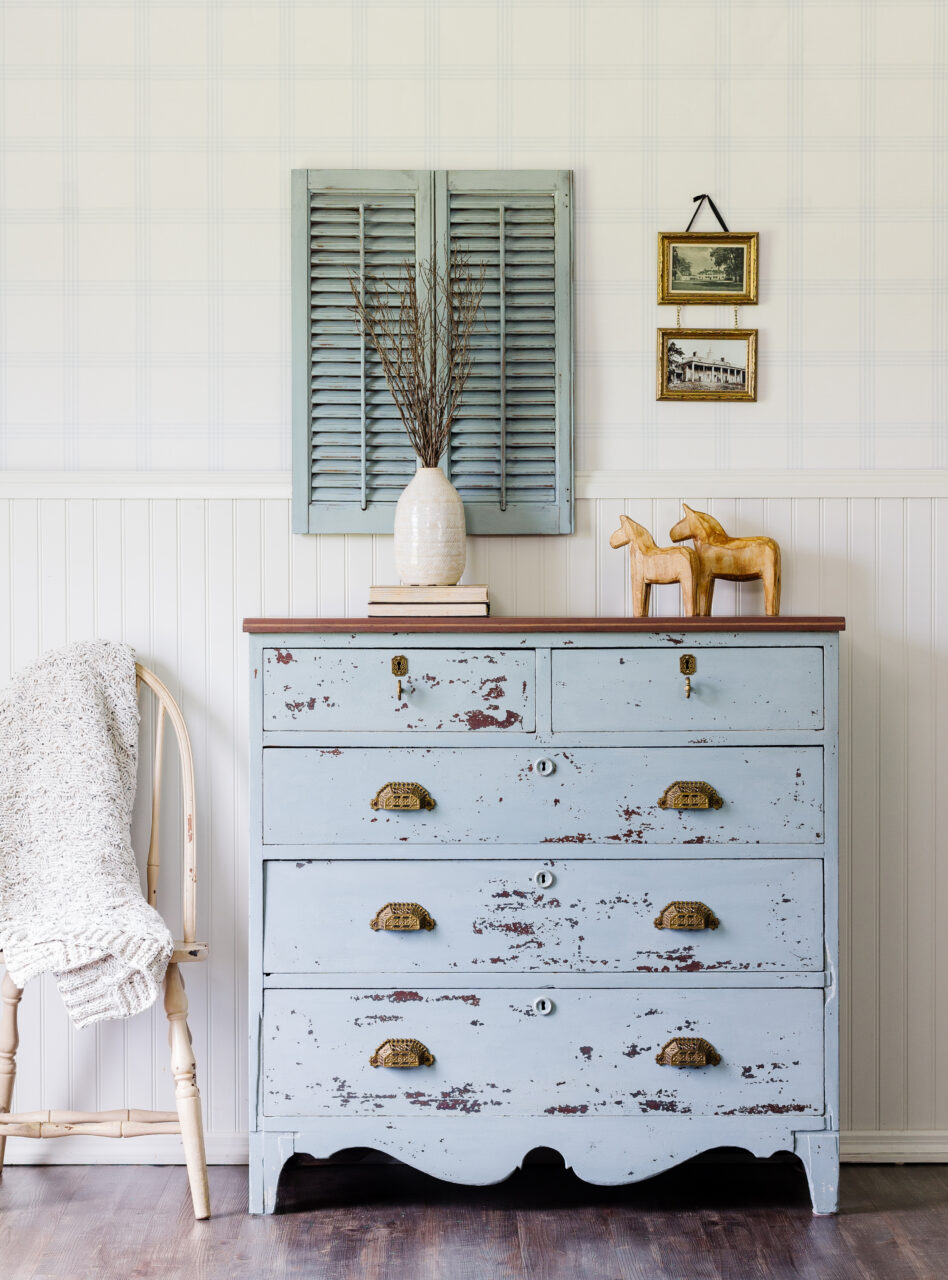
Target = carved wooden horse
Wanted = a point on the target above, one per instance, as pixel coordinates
(736, 559)
(650, 563)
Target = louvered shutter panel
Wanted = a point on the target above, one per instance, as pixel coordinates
(352, 457)
(510, 454)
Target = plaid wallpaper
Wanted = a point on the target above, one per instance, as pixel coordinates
(145, 150)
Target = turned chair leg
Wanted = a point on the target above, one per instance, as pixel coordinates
(9, 1040)
(187, 1096)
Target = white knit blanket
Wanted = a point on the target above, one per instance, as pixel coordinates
(70, 896)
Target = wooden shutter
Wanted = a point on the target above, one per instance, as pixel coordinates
(510, 454)
(352, 457)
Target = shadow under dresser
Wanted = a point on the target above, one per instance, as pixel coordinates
(543, 882)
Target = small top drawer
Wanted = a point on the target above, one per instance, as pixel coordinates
(358, 689)
(738, 688)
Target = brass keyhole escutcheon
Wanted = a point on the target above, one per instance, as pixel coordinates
(687, 665)
(399, 669)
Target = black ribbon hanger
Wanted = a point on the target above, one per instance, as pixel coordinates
(699, 200)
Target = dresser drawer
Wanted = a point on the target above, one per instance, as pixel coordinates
(732, 689)
(442, 689)
(596, 916)
(769, 795)
(494, 1054)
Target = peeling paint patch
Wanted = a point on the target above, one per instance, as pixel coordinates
(479, 719)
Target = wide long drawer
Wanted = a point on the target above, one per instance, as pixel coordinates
(399, 689)
(730, 689)
(494, 1053)
(334, 795)
(596, 916)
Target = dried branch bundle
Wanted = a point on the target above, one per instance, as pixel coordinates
(421, 324)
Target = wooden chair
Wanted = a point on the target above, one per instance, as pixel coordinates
(130, 1123)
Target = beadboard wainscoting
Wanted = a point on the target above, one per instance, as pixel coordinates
(127, 557)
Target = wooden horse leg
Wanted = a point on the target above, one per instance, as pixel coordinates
(187, 1097)
(640, 594)
(9, 1041)
(771, 577)
(688, 591)
(704, 591)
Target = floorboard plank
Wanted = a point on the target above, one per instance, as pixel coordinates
(372, 1221)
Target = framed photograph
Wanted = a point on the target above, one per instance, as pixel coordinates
(707, 268)
(707, 364)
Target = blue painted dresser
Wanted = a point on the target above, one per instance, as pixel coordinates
(568, 883)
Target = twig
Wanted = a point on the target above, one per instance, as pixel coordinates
(420, 325)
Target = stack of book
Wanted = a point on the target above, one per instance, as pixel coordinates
(428, 602)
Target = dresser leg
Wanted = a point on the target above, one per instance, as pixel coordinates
(820, 1155)
(269, 1152)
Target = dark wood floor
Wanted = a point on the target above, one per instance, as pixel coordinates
(386, 1222)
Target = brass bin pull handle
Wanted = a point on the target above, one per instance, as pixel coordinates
(401, 1053)
(402, 916)
(402, 796)
(688, 1051)
(690, 795)
(686, 915)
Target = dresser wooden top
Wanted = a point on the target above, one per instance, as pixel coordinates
(504, 626)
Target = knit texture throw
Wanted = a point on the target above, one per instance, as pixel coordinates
(71, 902)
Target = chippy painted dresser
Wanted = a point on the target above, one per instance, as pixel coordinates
(568, 883)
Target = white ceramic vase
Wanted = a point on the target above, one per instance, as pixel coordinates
(430, 547)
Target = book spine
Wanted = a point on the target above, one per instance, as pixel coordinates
(430, 610)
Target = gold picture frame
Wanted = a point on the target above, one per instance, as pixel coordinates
(707, 268)
(709, 364)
